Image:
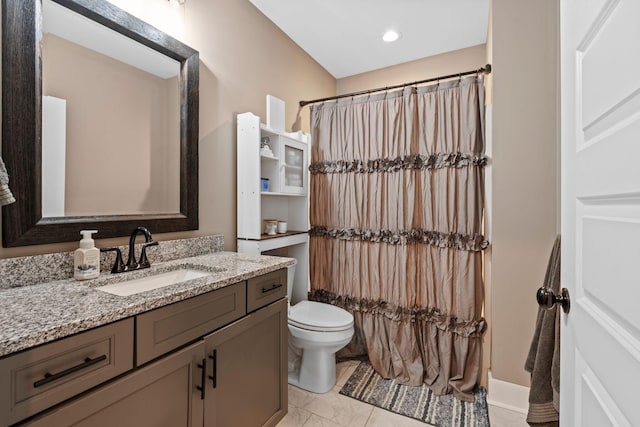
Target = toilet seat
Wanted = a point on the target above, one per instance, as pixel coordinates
(316, 316)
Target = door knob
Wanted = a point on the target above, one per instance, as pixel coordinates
(547, 299)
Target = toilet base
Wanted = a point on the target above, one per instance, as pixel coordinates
(317, 372)
(312, 352)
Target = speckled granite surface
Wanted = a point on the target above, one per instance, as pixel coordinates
(33, 315)
(30, 270)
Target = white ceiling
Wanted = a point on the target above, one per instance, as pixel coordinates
(345, 36)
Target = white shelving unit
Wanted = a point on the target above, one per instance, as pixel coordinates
(286, 200)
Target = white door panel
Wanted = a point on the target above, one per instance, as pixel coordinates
(604, 167)
(606, 350)
(600, 353)
(608, 70)
(608, 274)
(598, 407)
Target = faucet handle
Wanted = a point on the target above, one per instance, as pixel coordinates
(144, 261)
(118, 265)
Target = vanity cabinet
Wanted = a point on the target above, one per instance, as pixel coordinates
(163, 329)
(247, 383)
(248, 358)
(36, 379)
(286, 198)
(265, 289)
(200, 362)
(163, 393)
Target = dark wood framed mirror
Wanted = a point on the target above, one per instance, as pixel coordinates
(23, 222)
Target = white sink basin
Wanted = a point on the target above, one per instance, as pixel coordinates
(131, 287)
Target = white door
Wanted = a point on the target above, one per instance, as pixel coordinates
(600, 357)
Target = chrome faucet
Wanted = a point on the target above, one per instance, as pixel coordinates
(143, 262)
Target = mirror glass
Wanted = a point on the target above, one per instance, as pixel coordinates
(110, 121)
(99, 123)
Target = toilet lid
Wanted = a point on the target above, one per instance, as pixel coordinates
(316, 316)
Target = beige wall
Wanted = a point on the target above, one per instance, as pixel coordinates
(243, 57)
(438, 65)
(117, 116)
(488, 208)
(525, 173)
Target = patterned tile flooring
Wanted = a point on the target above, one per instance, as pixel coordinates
(335, 410)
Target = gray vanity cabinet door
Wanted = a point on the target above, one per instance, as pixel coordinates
(265, 289)
(164, 393)
(246, 370)
(41, 377)
(164, 329)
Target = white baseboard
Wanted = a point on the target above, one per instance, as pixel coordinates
(507, 395)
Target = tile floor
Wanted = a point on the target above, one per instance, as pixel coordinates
(335, 410)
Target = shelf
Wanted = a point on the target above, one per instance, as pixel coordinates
(268, 157)
(281, 201)
(291, 135)
(274, 242)
(273, 193)
(275, 236)
(289, 163)
(299, 168)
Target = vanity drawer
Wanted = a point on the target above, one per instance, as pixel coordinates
(39, 378)
(164, 329)
(266, 289)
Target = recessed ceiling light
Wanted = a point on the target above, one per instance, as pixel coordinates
(390, 36)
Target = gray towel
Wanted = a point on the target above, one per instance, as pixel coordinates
(6, 197)
(543, 361)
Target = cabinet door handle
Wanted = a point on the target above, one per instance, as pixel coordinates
(203, 377)
(214, 377)
(49, 377)
(273, 287)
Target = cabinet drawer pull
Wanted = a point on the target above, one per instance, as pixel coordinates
(48, 377)
(273, 287)
(203, 378)
(214, 377)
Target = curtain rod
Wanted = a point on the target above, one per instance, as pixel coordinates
(486, 70)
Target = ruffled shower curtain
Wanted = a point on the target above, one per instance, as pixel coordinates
(397, 191)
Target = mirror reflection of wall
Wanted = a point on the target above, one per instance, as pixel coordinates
(54, 142)
(121, 134)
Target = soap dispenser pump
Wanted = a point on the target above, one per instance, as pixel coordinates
(86, 259)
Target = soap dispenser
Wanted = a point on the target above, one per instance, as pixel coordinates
(86, 259)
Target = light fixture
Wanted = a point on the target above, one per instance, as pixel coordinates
(390, 36)
(176, 3)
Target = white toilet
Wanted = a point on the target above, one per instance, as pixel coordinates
(316, 332)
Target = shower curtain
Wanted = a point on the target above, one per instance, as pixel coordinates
(397, 191)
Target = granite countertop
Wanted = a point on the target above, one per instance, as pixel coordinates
(37, 314)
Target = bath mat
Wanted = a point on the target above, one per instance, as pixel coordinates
(416, 402)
